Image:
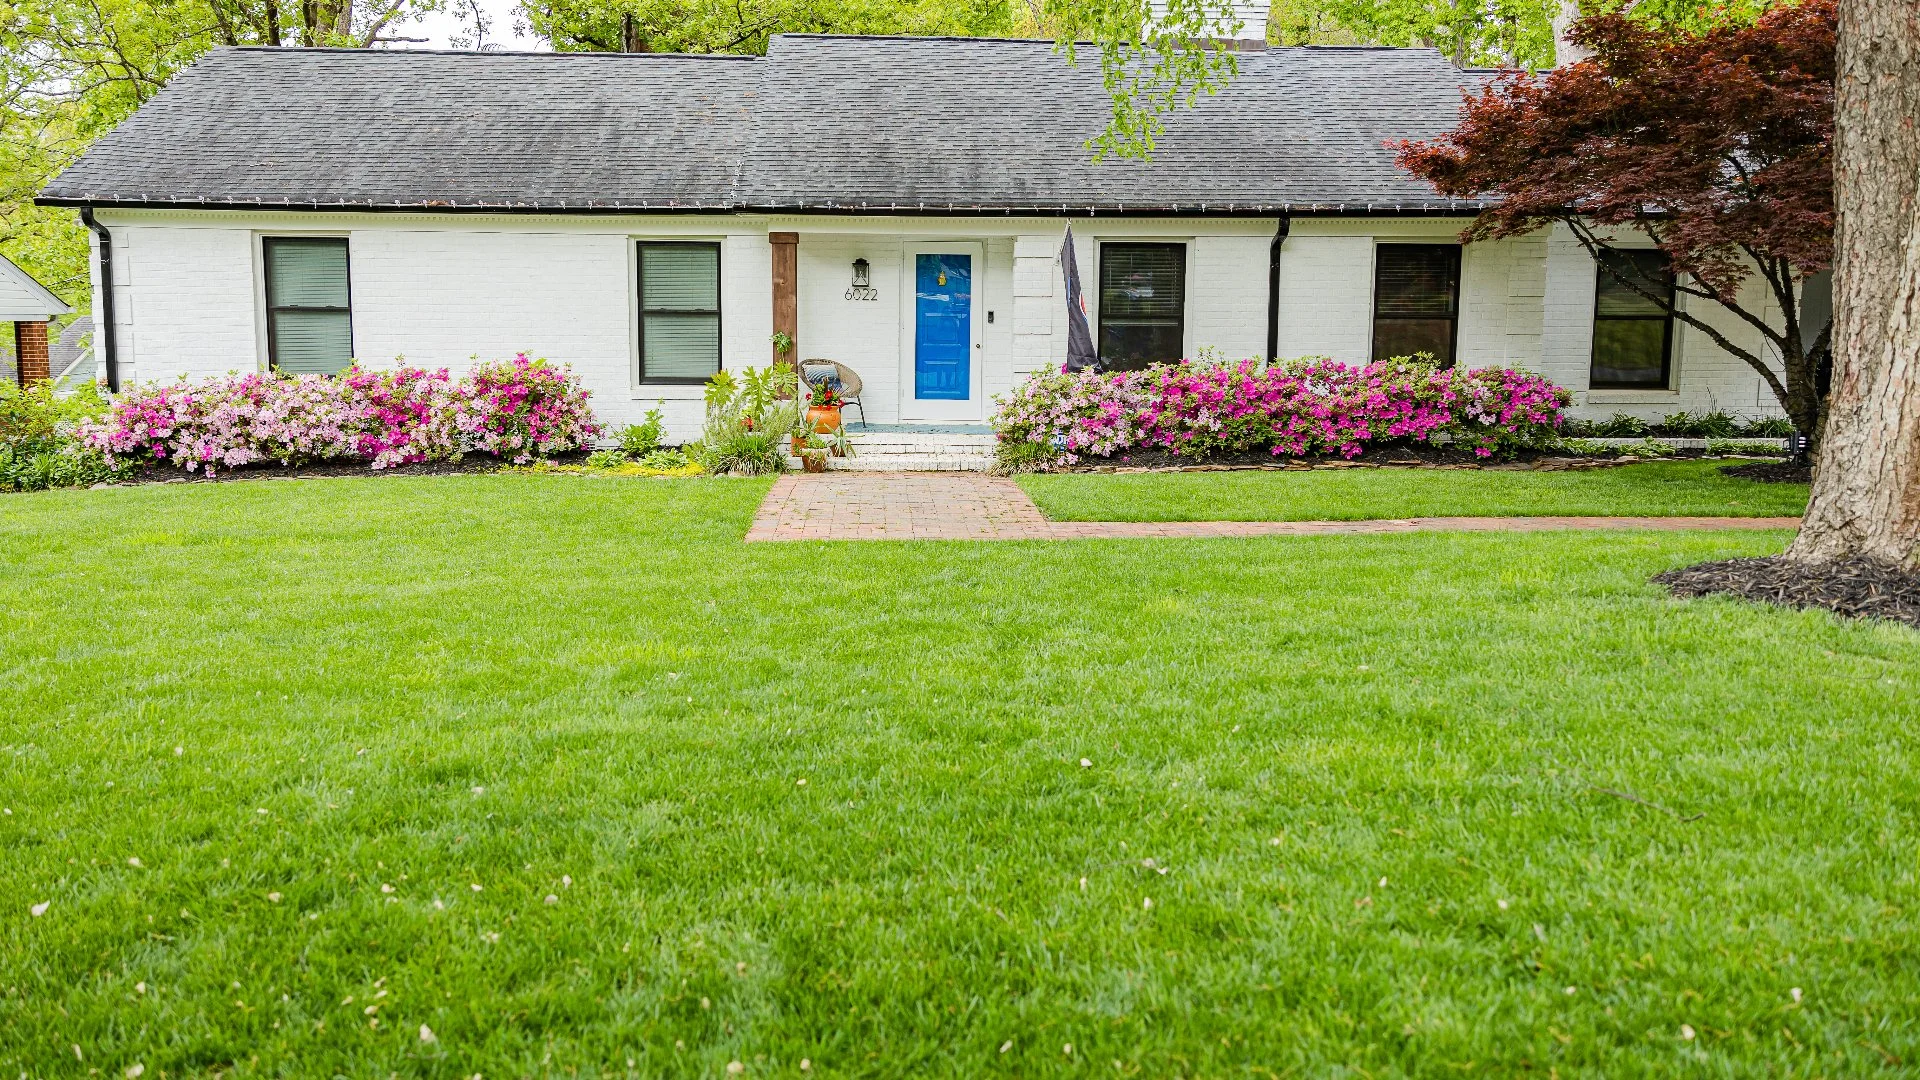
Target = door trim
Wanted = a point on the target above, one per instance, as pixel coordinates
(911, 408)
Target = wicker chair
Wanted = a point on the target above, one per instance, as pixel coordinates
(814, 371)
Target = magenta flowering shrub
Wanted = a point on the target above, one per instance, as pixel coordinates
(523, 409)
(400, 416)
(520, 409)
(1310, 406)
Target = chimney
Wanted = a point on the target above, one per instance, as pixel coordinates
(1566, 52)
(1251, 14)
(30, 352)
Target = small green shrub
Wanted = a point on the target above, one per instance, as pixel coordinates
(666, 460)
(38, 446)
(747, 418)
(1697, 425)
(1649, 448)
(1584, 447)
(742, 453)
(639, 440)
(1743, 446)
(1620, 426)
(1012, 457)
(606, 459)
(1772, 427)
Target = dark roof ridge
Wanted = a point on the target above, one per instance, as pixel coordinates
(346, 50)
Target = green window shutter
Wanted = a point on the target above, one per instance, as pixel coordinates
(309, 313)
(679, 311)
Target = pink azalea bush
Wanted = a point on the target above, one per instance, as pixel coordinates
(519, 409)
(1310, 406)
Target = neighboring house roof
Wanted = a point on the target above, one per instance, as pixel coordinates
(71, 357)
(823, 123)
(22, 299)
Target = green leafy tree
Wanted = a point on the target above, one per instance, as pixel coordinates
(70, 70)
(721, 26)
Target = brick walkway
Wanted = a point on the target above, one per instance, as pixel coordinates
(970, 506)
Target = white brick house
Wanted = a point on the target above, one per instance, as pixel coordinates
(630, 214)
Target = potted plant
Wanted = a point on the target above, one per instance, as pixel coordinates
(836, 442)
(813, 453)
(823, 408)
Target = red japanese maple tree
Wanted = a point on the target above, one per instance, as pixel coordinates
(1717, 145)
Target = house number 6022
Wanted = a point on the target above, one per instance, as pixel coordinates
(862, 292)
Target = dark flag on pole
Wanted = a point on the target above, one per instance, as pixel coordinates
(1080, 354)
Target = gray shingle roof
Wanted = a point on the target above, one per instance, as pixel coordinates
(891, 123)
(333, 128)
(824, 123)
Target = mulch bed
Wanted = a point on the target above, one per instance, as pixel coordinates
(169, 474)
(1859, 588)
(1772, 472)
(1419, 456)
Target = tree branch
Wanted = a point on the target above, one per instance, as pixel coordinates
(1595, 246)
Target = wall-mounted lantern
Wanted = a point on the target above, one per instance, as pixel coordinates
(862, 287)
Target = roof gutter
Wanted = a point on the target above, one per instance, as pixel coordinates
(104, 335)
(1273, 286)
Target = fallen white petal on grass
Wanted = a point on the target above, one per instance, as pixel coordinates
(40, 908)
(135, 1071)
(274, 896)
(566, 880)
(133, 861)
(427, 1035)
(552, 899)
(1006, 1046)
(1147, 902)
(476, 886)
(1795, 993)
(1686, 1032)
(733, 1067)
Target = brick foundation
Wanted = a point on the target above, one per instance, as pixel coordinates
(30, 351)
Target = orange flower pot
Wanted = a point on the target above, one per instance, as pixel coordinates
(823, 418)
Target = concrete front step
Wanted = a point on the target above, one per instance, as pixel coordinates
(905, 463)
(914, 451)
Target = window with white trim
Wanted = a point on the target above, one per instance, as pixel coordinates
(679, 285)
(309, 304)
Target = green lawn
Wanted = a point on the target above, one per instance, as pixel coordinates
(1367, 771)
(1663, 489)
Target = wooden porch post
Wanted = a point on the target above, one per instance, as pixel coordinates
(786, 296)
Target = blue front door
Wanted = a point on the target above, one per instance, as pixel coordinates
(943, 327)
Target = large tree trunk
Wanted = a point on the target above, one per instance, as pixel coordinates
(1866, 487)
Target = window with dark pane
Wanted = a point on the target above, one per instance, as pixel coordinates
(1632, 321)
(1416, 300)
(309, 306)
(1143, 304)
(679, 311)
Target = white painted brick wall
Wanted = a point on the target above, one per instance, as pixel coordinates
(1227, 294)
(1326, 297)
(187, 301)
(441, 289)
